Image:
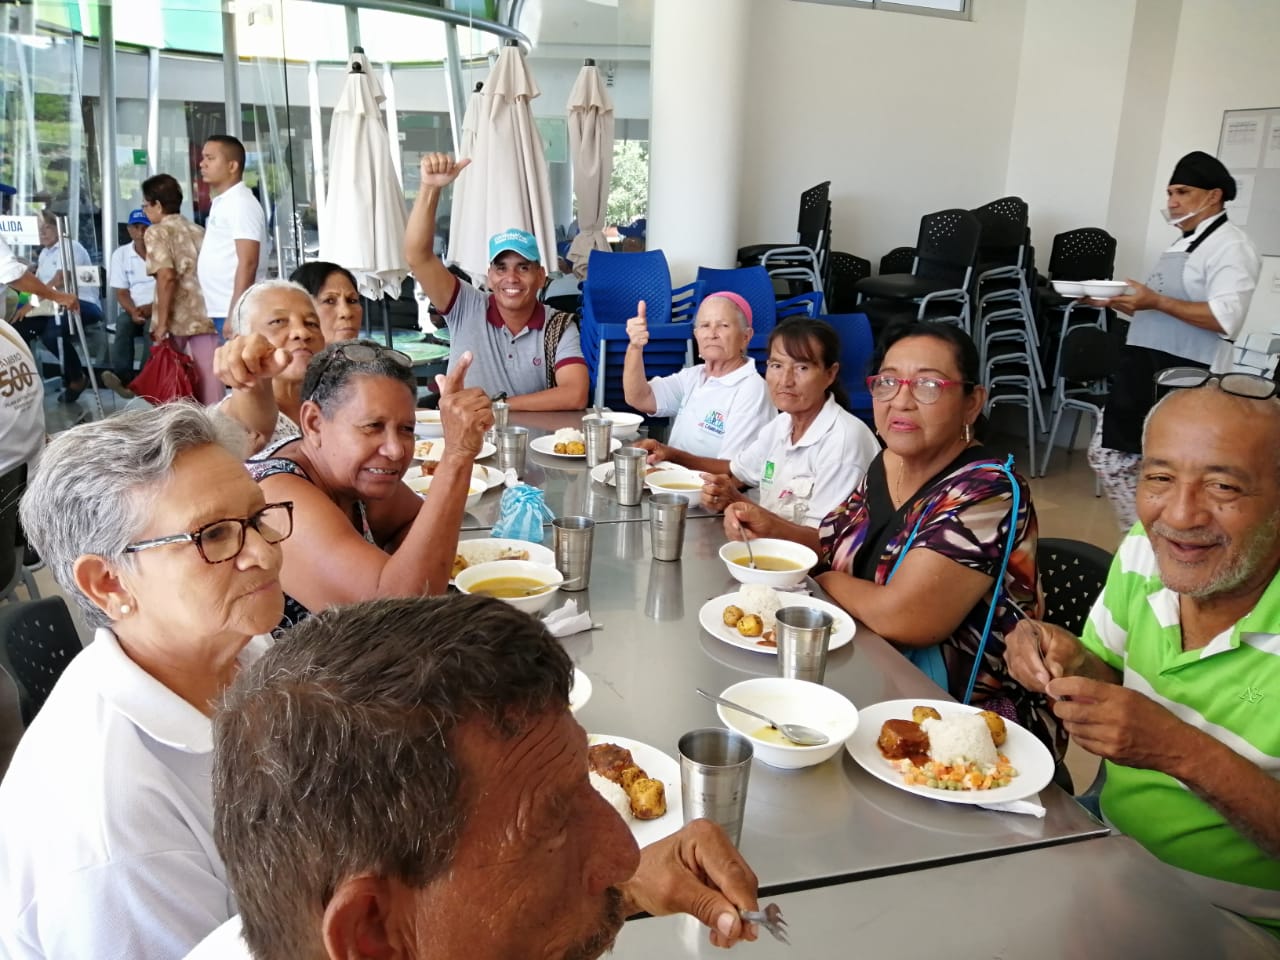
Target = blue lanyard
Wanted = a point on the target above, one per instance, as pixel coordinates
(1007, 469)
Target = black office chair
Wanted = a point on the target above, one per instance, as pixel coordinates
(846, 271)
(1072, 575)
(39, 639)
(898, 260)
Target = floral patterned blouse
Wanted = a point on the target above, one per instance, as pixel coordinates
(964, 514)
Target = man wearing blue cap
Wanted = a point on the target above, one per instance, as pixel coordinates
(135, 292)
(520, 346)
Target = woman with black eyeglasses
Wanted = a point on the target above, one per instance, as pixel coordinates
(150, 523)
(935, 549)
(359, 532)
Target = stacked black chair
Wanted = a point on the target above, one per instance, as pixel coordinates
(1089, 357)
(804, 262)
(1072, 574)
(846, 271)
(40, 639)
(938, 286)
(1086, 253)
(897, 260)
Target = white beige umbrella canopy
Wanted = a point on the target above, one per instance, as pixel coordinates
(362, 224)
(508, 183)
(591, 149)
(467, 148)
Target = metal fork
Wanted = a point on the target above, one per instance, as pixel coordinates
(771, 919)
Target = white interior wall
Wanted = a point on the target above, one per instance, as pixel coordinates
(1067, 116)
(904, 114)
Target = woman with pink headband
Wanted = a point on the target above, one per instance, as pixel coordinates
(718, 405)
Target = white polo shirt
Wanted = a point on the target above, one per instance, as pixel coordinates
(235, 214)
(714, 416)
(106, 819)
(21, 399)
(11, 268)
(225, 943)
(49, 262)
(129, 272)
(803, 482)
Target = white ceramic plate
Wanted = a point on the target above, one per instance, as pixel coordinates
(603, 472)
(661, 767)
(580, 692)
(490, 476)
(1029, 756)
(547, 445)
(421, 447)
(537, 552)
(711, 616)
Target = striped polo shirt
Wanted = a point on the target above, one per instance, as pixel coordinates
(1230, 689)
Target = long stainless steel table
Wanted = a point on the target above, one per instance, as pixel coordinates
(825, 824)
(1101, 898)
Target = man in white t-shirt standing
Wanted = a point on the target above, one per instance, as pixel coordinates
(233, 256)
(135, 292)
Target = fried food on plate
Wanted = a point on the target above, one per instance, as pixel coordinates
(732, 615)
(995, 723)
(903, 740)
(574, 448)
(750, 625)
(648, 798)
(921, 714)
(615, 763)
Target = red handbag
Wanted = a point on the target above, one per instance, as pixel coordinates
(169, 374)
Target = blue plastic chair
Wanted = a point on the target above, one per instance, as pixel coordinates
(856, 348)
(755, 286)
(615, 283)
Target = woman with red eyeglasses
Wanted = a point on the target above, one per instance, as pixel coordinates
(935, 549)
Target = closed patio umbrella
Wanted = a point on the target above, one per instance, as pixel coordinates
(467, 148)
(508, 183)
(591, 149)
(362, 225)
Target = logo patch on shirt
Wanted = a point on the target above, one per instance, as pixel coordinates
(1251, 695)
(714, 423)
(537, 361)
(768, 471)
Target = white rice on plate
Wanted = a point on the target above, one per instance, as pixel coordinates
(761, 600)
(964, 738)
(568, 435)
(614, 793)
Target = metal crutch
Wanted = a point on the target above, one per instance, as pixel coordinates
(72, 284)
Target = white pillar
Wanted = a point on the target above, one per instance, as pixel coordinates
(697, 131)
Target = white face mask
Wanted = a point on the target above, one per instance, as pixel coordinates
(1179, 221)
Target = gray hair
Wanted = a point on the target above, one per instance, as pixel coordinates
(330, 373)
(1272, 407)
(332, 752)
(241, 322)
(737, 310)
(92, 490)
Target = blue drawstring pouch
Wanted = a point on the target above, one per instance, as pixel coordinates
(522, 513)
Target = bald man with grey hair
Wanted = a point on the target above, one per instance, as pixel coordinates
(1174, 680)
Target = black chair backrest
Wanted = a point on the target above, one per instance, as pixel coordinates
(12, 484)
(1086, 253)
(1004, 230)
(1072, 574)
(815, 214)
(1089, 353)
(39, 639)
(898, 260)
(846, 271)
(947, 245)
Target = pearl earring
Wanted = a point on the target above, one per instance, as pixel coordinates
(125, 609)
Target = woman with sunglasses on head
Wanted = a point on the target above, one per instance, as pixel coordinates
(935, 549)
(150, 523)
(359, 532)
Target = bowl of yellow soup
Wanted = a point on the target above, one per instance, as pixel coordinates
(686, 483)
(786, 700)
(779, 563)
(526, 585)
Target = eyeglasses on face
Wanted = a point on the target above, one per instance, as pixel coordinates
(1248, 385)
(222, 540)
(925, 390)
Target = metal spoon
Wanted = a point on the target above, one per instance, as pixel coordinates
(797, 733)
(751, 559)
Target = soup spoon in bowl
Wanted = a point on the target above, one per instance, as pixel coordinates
(797, 733)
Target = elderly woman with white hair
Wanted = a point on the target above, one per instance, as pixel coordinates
(151, 523)
(719, 405)
(276, 331)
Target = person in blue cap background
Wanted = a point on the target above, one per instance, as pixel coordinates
(135, 292)
(520, 346)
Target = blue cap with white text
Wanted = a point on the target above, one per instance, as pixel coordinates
(137, 216)
(518, 241)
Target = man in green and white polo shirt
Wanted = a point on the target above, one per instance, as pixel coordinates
(1176, 681)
